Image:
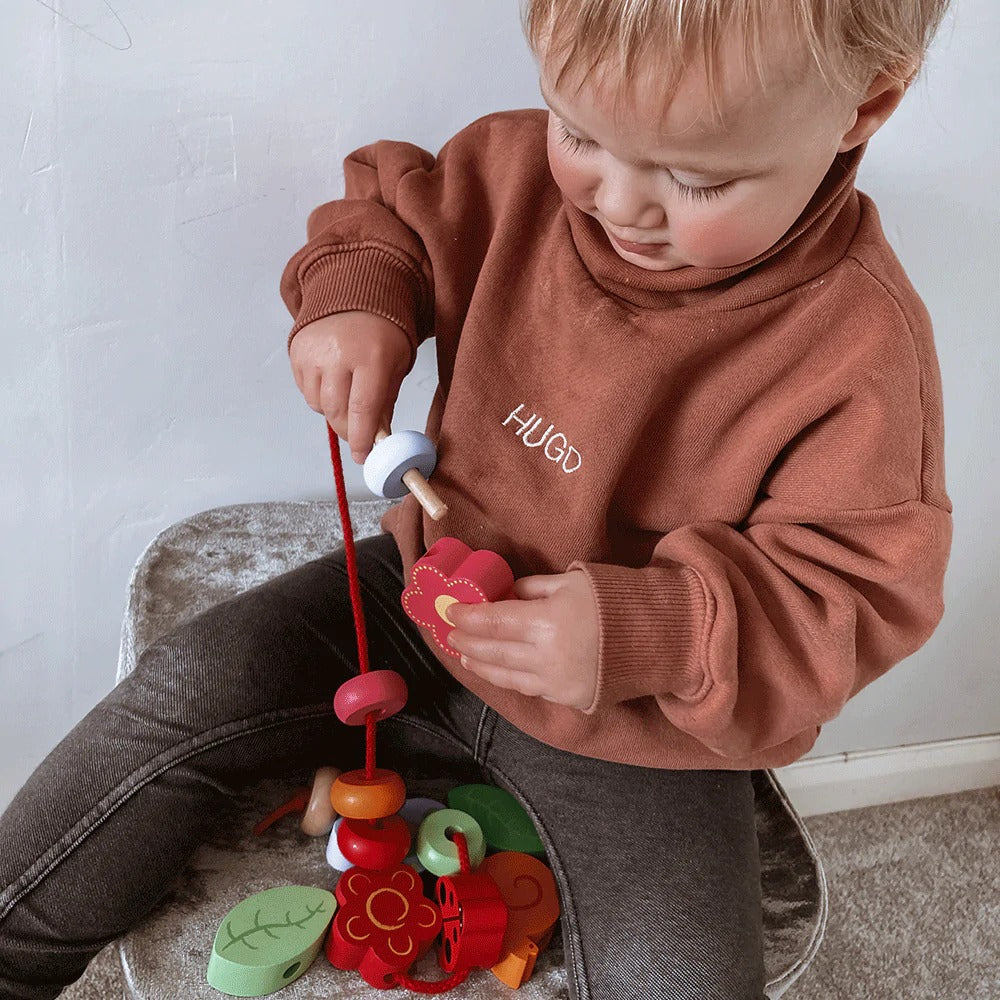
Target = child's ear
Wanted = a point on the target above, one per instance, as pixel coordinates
(878, 104)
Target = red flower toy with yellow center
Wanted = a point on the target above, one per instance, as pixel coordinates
(452, 573)
(383, 925)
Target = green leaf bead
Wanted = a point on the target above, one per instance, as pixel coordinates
(506, 826)
(269, 939)
(437, 852)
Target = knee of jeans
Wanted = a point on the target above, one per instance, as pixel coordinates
(656, 960)
(193, 668)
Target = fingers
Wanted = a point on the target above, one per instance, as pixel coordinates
(497, 652)
(354, 404)
(511, 621)
(513, 680)
(334, 387)
(495, 643)
(528, 588)
(366, 408)
(349, 367)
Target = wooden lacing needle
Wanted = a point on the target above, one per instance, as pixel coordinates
(415, 482)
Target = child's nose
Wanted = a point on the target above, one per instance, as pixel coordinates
(627, 203)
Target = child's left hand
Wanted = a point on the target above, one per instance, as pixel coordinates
(544, 645)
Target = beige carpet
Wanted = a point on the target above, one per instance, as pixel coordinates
(914, 905)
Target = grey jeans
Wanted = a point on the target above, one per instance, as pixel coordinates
(657, 870)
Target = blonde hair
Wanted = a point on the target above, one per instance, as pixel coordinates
(847, 41)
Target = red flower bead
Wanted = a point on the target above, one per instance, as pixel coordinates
(377, 845)
(448, 573)
(383, 924)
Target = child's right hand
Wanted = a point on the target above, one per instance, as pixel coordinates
(349, 367)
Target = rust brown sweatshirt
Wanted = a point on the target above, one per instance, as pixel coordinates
(746, 462)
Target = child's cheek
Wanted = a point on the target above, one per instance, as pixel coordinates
(721, 239)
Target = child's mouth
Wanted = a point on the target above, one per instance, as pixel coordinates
(644, 249)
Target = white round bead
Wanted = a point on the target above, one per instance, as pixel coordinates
(334, 856)
(394, 455)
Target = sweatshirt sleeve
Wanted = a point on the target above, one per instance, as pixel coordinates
(748, 634)
(407, 240)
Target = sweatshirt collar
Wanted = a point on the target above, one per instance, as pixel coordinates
(814, 243)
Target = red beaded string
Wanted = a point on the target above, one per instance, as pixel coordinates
(400, 979)
(355, 588)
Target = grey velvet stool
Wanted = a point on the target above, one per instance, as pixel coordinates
(209, 557)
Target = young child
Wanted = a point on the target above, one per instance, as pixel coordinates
(686, 390)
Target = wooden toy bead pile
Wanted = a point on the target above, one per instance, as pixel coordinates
(493, 912)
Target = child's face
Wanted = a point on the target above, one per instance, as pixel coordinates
(692, 194)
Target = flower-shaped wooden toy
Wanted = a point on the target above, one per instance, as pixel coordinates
(450, 573)
(384, 923)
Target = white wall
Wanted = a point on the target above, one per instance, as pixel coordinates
(157, 163)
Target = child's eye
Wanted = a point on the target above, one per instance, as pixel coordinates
(701, 193)
(574, 142)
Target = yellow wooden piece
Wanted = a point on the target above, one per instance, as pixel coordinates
(318, 819)
(442, 603)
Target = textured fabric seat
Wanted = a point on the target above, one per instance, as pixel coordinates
(211, 556)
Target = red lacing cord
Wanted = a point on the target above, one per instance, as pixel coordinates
(421, 986)
(301, 799)
(400, 979)
(296, 804)
(355, 587)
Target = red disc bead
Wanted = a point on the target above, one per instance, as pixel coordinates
(382, 692)
(376, 845)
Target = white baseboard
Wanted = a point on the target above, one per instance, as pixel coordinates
(862, 778)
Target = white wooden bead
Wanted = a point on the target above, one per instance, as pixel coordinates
(334, 856)
(395, 455)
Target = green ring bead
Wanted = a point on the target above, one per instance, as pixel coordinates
(438, 853)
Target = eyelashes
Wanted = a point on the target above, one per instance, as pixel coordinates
(577, 145)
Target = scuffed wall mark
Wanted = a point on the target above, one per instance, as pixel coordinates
(89, 329)
(92, 5)
(23, 642)
(27, 132)
(280, 351)
(42, 170)
(221, 211)
(207, 145)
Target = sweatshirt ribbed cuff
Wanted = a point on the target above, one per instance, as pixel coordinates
(366, 278)
(651, 626)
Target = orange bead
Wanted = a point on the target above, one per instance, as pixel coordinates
(357, 797)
